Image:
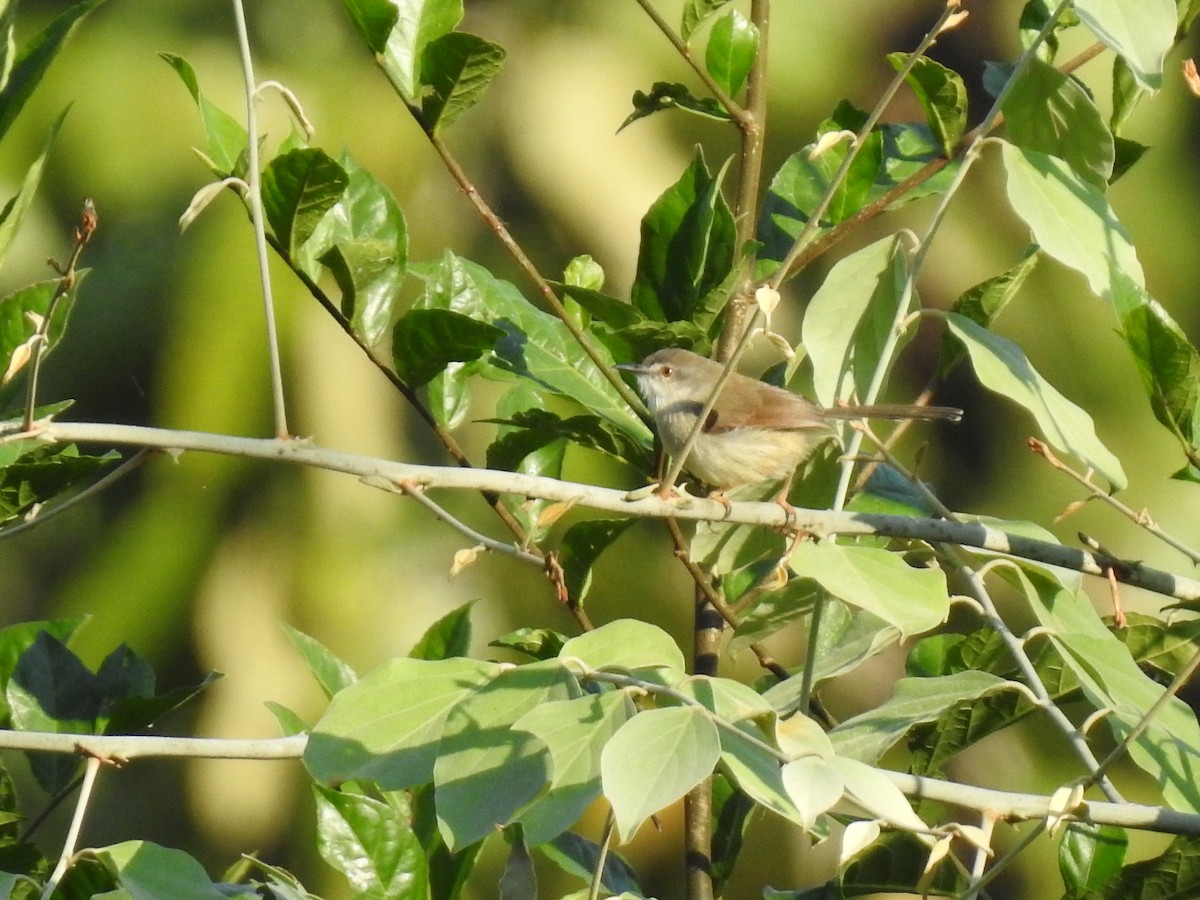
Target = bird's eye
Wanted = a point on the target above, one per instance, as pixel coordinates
(666, 371)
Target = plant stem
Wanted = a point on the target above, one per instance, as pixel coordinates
(254, 199)
(821, 522)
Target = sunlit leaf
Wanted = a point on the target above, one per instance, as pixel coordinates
(224, 136)
(425, 341)
(372, 844)
(298, 188)
(653, 760)
(456, 68)
(34, 60)
(1001, 366)
(1051, 112)
(942, 96)
(687, 245)
(1140, 32)
(732, 47)
(1070, 219)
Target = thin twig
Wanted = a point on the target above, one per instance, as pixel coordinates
(1098, 493)
(416, 492)
(72, 839)
(254, 200)
(610, 828)
(66, 282)
(1016, 647)
(1183, 677)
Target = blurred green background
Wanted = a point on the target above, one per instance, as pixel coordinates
(195, 562)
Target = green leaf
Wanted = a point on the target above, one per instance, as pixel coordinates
(1126, 94)
(537, 346)
(653, 760)
(625, 645)
(895, 864)
(803, 180)
(986, 300)
(1070, 219)
(387, 726)
(889, 156)
(132, 714)
(44, 475)
(34, 60)
(332, 674)
(584, 273)
(600, 306)
(426, 341)
(1166, 361)
(672, 95)
(123, 674)
(1127, 153)
(775, 610)
(687, 245)
(813, 785)
(363, 240)
(8, 47)
(298, 188)
(372, 844)
(942, 96)
(1169, 748)
(872, 790)
(419, 23)
(848, 638)
(1173, 873)
(14, 211)
(448, 637)
(373, 20)
(731, 816)
(581, 547)
(732, 47)
(574, 732)
(16, 639)
(533, 429)
(1090, 856)
(1052, 113)
(579, 857)
(225, 138)
(1139, 31)
(880, 581)
(486, 771)
(849, 319)
(19, 313)
(695, 12)
(519, 880)
(1001, 366)
(869, 735)
(51, 690)
(757, 772)
(456, 69)
(143, 869)
(970, 721)
(537, 643)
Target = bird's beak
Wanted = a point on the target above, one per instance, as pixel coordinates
(635, 368)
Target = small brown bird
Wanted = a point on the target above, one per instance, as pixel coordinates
(755, 432)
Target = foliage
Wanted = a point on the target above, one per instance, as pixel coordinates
(418, 763)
